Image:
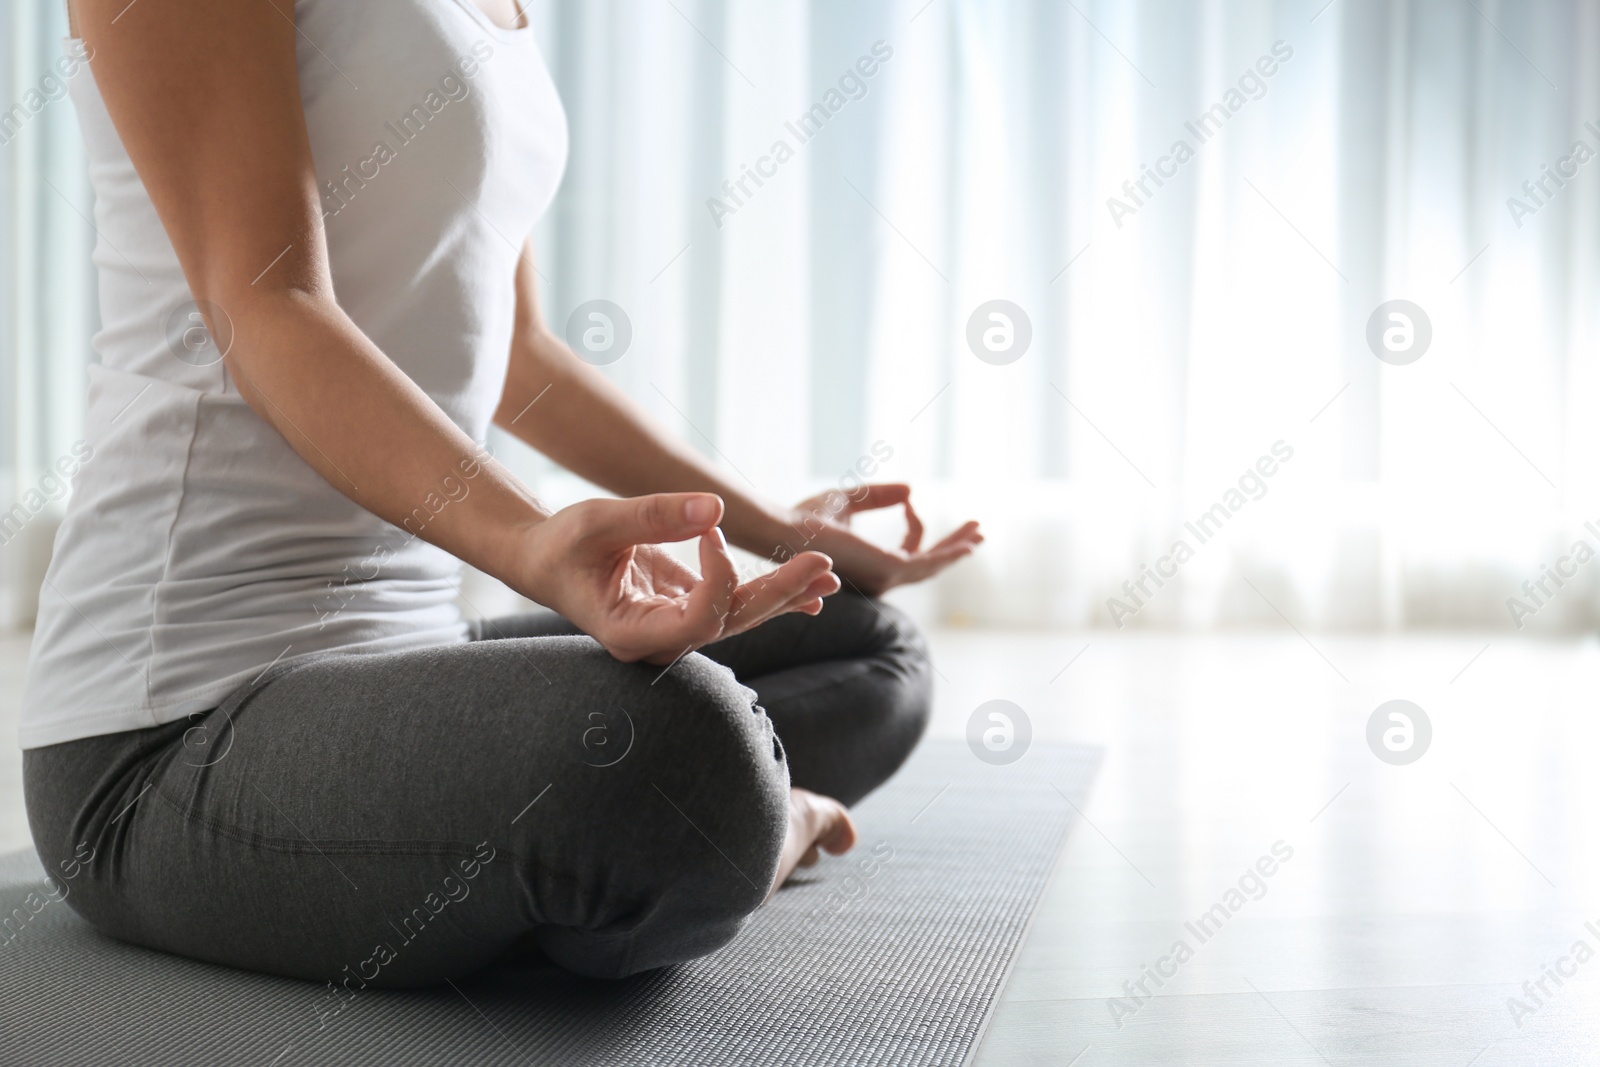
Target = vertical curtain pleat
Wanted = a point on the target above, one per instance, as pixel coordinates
(47, 294)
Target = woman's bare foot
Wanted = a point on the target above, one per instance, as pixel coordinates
(815, 822)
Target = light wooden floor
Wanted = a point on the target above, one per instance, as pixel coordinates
(1414, 905)
(1416, 902)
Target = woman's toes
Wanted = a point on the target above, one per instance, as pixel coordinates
(838, 835)
(817, 824)
(829, 824)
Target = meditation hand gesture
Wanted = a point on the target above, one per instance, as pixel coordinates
(600, 563)
(822, 523)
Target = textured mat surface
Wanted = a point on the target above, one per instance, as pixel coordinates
(894, 954)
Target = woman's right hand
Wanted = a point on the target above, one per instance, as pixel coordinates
(600, 563)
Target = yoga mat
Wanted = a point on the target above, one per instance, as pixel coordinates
(893, 954)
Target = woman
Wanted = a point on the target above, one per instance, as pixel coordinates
(258, 730)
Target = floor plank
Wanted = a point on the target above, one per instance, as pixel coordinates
(1415, 903)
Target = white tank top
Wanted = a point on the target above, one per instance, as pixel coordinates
(198, 548)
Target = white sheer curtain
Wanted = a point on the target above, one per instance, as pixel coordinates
(47, 299)
(823, 321)
(1226, 313)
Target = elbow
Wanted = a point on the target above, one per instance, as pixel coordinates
(247, 325)
(236, 300)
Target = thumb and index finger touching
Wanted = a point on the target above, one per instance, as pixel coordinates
(660, 518)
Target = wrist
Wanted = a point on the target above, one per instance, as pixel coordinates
(519, 554)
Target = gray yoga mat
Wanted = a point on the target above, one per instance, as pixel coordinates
(894, 954)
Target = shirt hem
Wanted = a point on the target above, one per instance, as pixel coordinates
(128, 718)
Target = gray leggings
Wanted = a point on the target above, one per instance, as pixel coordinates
(402, 818)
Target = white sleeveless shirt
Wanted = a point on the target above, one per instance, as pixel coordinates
(198, 548)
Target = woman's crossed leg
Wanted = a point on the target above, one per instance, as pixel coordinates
(403, 818)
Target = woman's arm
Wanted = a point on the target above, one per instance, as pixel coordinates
(592, 428)
(588, 425)
(220, 141)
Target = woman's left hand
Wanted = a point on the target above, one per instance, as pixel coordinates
(822, 523)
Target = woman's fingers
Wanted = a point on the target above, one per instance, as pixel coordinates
(809, 607)
(717, 606)
(873, 497)
(808, 602)
(934, 560)
(712, 599)
(660, 518)
(888, 495)
(918, 565)
(914, 529)
(861, 498)
(664, 607)
(968, 533)
(805, 578)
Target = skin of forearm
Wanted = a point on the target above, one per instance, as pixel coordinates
(589, 426)
(363, 425)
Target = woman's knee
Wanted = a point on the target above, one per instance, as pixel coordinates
(696, 713)
(850, 721)
(714, 810)
(881, 631)
(908, 652)
(897, 651)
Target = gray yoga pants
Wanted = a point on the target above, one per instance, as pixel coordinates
(399, 819)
